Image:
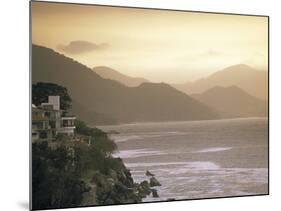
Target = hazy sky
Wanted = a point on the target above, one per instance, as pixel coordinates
(158, 45)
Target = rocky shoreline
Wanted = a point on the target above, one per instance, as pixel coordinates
(117, 187)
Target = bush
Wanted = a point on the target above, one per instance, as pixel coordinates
(63, 174)
(83, 129)
(55, 181)
(99, 139)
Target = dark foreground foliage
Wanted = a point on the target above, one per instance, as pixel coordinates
(55, 181)
(80, 170)
(41, 91)
(70, 175)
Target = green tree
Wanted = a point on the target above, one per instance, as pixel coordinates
(55, 181)
(99, 139)
(41, 91)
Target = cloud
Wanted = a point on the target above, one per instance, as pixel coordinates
(202, 55)
(81, 46)
(213, 53)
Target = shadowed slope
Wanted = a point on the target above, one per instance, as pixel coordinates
(254, 82)
(104, 101)
(232, 102)
(108, 73)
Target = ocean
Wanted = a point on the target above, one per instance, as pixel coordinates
(197, 159)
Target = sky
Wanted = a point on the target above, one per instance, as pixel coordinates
(159, 45)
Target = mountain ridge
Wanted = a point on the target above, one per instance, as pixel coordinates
(233, 102)
(110, 99)
(254, 82)
(109, 73)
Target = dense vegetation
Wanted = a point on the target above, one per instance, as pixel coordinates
(55, 181)
(41, 91)
(67, 175)
(80, 170)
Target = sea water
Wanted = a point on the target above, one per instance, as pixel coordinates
(197, 159)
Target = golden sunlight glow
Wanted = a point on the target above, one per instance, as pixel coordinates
(158, 45)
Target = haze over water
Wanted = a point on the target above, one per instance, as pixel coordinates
(197, 159)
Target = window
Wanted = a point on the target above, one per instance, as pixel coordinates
(43, 135)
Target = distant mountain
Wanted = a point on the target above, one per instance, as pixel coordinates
(254, 82)
(231, 102)
(108, 73)
(103, 101)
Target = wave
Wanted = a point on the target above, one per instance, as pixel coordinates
(214, 149)
(123, 138)
(137, 153)
(197, 165)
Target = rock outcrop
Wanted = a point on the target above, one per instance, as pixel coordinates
(154, 182)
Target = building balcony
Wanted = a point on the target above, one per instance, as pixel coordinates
(36, 127)
(68, 127)
(68, 117)
(67, 130)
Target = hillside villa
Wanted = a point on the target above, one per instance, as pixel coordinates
(48, 120)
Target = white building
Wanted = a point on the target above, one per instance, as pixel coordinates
(54, 119)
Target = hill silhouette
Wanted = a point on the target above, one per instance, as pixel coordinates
(231, 102)
(254, 82)
(103, 101)
(109, 73)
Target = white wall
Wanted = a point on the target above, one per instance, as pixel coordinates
(15, 104)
